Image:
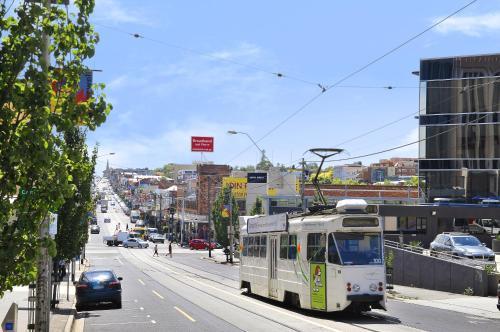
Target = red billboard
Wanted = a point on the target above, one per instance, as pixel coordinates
(202, 144)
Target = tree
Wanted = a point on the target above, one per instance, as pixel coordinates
(257, 207)
(72, 223)
(219, 216)
(37, 109)
(264, 163)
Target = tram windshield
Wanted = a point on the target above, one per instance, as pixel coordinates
(354, 248)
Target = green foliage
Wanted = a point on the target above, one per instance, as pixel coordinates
(221, 222)
(490, 269)
(389, 258)
(73, 222)
(468, 291)
(498, 236)
(257, 207)
(264, 163)
(249, 168)
(34, 156)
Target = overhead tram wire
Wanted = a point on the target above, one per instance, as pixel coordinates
(357, 71)
(371, 131)
(410, 143)
(277, 74)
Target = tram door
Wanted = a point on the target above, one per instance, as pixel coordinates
(273, 266)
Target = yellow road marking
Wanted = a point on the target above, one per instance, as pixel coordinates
(142, 282)
(159, 295)
(185, 315)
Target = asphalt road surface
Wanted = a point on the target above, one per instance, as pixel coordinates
(189, 293)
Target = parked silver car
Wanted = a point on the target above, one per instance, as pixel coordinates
(135, 243)
(462, 245)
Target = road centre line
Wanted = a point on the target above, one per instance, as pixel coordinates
(185, 314)
(158, 294)
(142, 282)
(245, 299)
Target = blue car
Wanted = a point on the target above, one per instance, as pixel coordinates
(98, 286)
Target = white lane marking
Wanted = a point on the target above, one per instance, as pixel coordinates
(185, 315)
(158, 294)
(142, 282)
(141, 308)
(136, 301)
(148, 316)
(119, 261)
(267, 307)
(153, 321)
(120, 323)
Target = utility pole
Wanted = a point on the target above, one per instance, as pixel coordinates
(209, 223)
(231, 227)
(182, 221)
(302, 186)
(160, 213)
(42, 313)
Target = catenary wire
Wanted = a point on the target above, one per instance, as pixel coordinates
(277, 74)
(357, 71)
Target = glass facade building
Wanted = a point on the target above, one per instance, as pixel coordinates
(459, 127)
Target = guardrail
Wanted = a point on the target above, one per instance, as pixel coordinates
(441, 255)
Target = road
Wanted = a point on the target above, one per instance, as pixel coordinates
(189, 293)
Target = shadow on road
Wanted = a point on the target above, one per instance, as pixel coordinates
(369, 317)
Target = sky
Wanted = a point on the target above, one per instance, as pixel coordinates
(206, 67)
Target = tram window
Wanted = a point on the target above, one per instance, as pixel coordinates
(283, 246)
(250, 246)
(263, 246)
(316, 247)
(245, 246)
(333, 253)
(256, 246)
(292, 249)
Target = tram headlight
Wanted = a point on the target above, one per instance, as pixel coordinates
(373, 287)
(356, 287)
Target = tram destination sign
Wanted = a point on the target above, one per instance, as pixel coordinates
(273, 223)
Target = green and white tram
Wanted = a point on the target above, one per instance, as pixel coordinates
(330, 260)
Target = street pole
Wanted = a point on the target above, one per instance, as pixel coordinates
(42, 313)
(231, 228)
(160, 213)
(209, 223)
(302, 186)
(182, 221)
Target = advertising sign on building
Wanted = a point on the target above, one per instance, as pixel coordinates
(52, 224)
(202, 144)
(317, 280)
(238, 186)
(257, 177)
(274, 223)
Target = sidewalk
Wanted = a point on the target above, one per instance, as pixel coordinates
(471, 305)
(61, 318)
(219, 257)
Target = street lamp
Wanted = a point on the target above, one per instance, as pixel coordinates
(106, 154)
(234, 132)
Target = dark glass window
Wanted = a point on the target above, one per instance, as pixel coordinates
(316, 247)
(333, 253)
(263, 246)
(283, 246)
(288, 246)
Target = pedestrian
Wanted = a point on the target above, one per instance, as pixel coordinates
(170, 249)
(156, 251)
(127, 227)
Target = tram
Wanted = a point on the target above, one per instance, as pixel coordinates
(327, 260)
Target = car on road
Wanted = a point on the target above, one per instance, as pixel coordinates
(135, 243)
(107, 220)
(156, 238)
(197, 244)
(113, 203)
(95, 229)
(98, 286)
(461, 245)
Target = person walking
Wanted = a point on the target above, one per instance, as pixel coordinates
(156, 251)
(170, 249)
